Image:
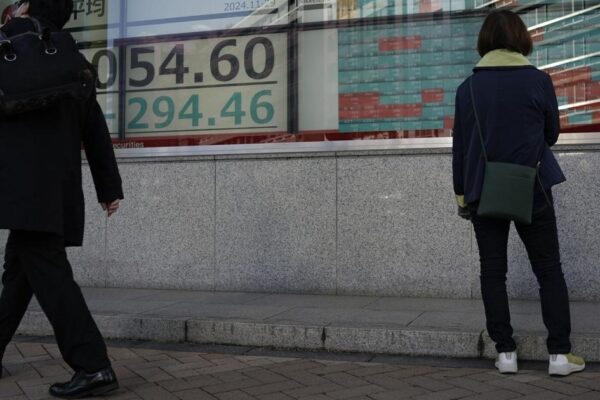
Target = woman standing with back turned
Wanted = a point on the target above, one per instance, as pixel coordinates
(518, 122)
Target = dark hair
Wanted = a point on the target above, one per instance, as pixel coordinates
(504, 30)
(56, 11)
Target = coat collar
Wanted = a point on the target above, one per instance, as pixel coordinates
(503, 58)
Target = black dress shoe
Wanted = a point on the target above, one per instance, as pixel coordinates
(84, 385)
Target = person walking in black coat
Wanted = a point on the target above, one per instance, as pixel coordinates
(518, 110)
(42, 205)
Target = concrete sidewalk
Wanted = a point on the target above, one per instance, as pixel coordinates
(403, 326)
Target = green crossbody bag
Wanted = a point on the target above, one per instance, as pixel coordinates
(508, 189)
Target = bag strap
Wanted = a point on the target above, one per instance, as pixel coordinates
(6, 47)
(477, 120)
(37, 25)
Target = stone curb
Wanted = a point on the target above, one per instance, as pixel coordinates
(361, 339)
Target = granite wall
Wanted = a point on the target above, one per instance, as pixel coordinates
(332, 223)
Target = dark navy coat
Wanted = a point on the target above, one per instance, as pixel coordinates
(519, 115)
(40, 163)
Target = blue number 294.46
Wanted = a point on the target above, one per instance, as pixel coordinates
(164, 108)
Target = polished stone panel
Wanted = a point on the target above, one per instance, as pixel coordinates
(577, 204)
(398, 232)
(275, 225)
(363, 224)
(89, 262)
(162, 236)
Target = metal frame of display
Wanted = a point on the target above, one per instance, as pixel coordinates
(571, 139)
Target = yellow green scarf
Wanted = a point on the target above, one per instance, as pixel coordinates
(503, 58)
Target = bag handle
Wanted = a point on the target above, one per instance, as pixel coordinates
(6, 47)
(36, 24)
(44, 36)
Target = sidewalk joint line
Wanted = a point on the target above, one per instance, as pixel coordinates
(375, 300)
(416, 318)
(279, 313)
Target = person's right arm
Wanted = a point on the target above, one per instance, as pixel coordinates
(101, 157)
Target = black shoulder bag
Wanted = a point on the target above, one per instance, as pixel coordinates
(37, 69)
(508, 189)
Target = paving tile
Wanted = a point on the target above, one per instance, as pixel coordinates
(154, 393)
(230, 386)
(497, 395)
(428, 383)
(469, 384)
(330, 369)
(543, 395)
(263, 375)
(355, 392)
(347, 380)
(586, 396)
(275, 396)
(592, 384)
(194, 394)
(405, 393)
(273, 388)
(235, 395)
(230, 376)
(153, 374)
(387, 381)
(311, 390)
(518, 387)
(176, 385)
(8, 389)
(559, 386)
(371, 370)
(450, 394)
(306, 378)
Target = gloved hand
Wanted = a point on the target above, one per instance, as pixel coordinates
(464, 213)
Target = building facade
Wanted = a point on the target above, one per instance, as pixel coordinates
(304, 145)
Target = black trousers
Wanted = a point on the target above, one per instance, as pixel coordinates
(36, 263)
(541, 241)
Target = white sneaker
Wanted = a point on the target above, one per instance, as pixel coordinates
(507, 363)
(565, 364)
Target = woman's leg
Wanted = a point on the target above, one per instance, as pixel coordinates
(541, 240)
(492, 239)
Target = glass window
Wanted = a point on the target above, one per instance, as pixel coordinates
(267, 71)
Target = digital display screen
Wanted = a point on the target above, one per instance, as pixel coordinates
(240, 72)
(232, 84)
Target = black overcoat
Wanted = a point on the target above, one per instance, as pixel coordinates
(40, 163)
